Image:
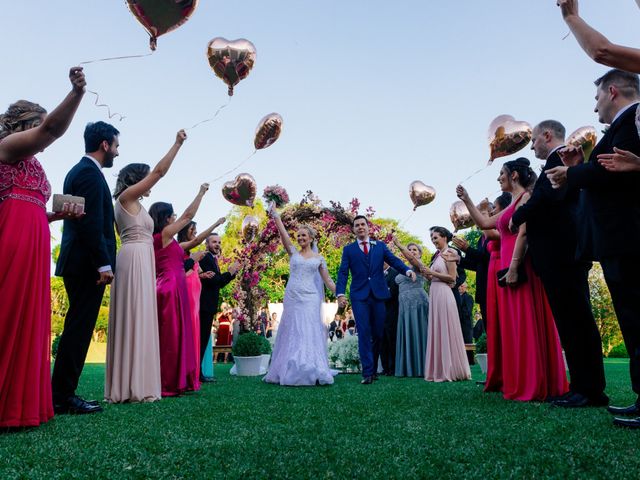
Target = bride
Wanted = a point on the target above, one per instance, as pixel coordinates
(300, 353)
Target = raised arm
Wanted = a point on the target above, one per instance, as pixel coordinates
(415, 262)
(132, 193)
(284, 236)
(483, 222)
(172, 229)
(20, 145)
(188, 245)
(595, 44)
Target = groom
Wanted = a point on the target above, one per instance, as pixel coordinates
(365, 259)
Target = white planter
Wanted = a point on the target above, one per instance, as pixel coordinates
(264, 365)
(481, 358)
(248, 366)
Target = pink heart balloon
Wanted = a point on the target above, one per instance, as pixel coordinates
(507, 136)
(421, 194)
(231, 60)
(268, 131)
(241, 191)
(161, 16)
(460, 216)
(250, 226)
(585, 137)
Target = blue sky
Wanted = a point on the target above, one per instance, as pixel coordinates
(374, 94)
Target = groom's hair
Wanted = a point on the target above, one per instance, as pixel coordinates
(358, 217)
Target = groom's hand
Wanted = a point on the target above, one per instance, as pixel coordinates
(412, 275)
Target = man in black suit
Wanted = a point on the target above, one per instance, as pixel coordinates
(86, 264)
(212, 281)
(477, 260)
(550, 215)
(389, 335)
(609, 212)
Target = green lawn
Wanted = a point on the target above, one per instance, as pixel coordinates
(397, 428)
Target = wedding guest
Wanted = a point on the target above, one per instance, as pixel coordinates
(86, 263)
(466, 309)
(332, 328)
(223, 331)
(213, 280)
(446, 358)
(179, 369)
(133, 351)
(564, 278)
(25, 242)
(389, 336)
(351, 327)
(606, 200)
(532, 364)
(413, 318)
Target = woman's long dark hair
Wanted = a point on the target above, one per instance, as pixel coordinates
(160, 212)
(183, 235)
(130, 175)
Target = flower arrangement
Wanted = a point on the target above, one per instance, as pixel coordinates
(276, 194)
(344, 354)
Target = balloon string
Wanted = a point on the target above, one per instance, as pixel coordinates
(234, 168)
(406, 219)
(212, 118)
(566, 36)
(114, 58)
(122, 117)
(473, 174)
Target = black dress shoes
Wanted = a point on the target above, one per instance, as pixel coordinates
(375, 376)
(551, 398)
(204, 379)
(630, 411)
(367, 381)
(577, 400)
(627, 422)
(75, 405)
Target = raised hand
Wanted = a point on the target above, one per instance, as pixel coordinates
(571, 156)
(568, 7)
(203, 188)
(220, 221)
(181, 136)
(78, 82)
(461, 243)
(620, 161)
(462, 193)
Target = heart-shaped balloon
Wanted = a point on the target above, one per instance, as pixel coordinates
(161, 16)
(421, 194)
(460, 216)
(241, 191)
(250, 226)
(231, 60)
(507, 136)
(268, 131)
(585, 137)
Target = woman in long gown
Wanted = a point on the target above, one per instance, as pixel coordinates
(413, 319)
(133, 350)
(25, 243)
(179, 368)
(532, 364)
(446, 358)
(300, 353)
(189, 238)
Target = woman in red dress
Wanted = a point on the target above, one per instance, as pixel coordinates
(25, 316)
(532, 364)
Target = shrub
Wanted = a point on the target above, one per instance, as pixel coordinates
(249, 344)
(619, 351)
(54, 346)
(481, 344)
(344, 353)
(265, 346)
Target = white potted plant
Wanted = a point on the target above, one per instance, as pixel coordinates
(481, 352)
(265, 348)
(247, 354)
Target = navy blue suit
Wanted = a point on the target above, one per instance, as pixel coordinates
(368, 294)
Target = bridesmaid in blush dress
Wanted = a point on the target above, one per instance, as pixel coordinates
(25, 246)
(133, 351)
(179, 367)
(532, 364)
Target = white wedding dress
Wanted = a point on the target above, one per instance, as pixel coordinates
(300, 353)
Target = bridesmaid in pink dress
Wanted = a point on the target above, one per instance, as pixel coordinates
(25, 239)
(188, 239)
(532, 364)
(179, 367)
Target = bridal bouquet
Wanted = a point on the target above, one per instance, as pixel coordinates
(276, 194)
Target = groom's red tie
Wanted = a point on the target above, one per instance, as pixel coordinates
(365, 247)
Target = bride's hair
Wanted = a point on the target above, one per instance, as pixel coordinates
(311, 231)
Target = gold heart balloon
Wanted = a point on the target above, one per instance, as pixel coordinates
(231, 61)
(460, 216)
(507, 136)
(161, 16)
(250, 226)
(585, 137)
(241, 191)
(421, 194)
(268, 131)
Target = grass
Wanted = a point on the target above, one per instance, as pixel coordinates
(397, 428)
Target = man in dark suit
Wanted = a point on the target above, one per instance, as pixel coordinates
(212, 281)
(477, 260)
(365, 259)
(609, 212)
(86, 263)
(389, 336)
(550, 215)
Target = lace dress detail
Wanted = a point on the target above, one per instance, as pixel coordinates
(26, 181)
